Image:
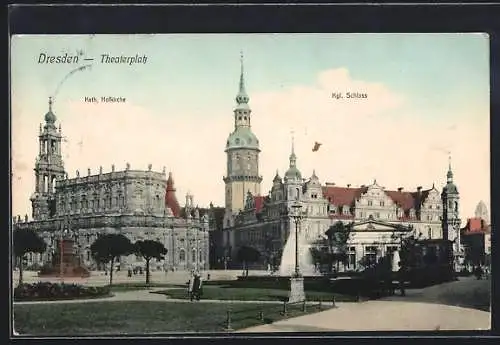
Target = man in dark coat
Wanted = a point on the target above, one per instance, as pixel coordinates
(197, 286)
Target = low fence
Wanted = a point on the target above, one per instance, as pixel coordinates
(267, 313)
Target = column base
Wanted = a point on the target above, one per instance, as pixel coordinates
(297, 293)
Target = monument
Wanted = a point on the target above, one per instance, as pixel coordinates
(66, 265)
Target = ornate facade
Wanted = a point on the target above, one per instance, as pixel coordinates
(139, 204)
(379, 216)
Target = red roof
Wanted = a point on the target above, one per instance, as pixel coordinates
(340, 196)
(475, 225)
(405, 200)
(170, 198)
(259, 202)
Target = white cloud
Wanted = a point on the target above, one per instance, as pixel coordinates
(362, 140)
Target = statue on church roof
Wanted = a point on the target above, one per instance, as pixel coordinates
(250, 202)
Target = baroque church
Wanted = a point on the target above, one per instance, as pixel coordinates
(140, 204)
(379, 216)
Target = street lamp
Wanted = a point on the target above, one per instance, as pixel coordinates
(297, 216)
(297, 293)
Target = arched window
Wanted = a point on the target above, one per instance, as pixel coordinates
(193, 255)
(200, 256)
(182, 255)
(456, 206)
(429, 232)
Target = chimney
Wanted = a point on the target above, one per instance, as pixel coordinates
(400, 189)
(348, 185)
(419, 189)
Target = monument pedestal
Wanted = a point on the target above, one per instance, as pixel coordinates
(297, 293)
(68, 266)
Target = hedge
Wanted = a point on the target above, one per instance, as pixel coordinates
(43, 291)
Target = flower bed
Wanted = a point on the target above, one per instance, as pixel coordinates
(43, 291)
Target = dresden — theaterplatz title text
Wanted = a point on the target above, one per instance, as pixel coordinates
(104, 58)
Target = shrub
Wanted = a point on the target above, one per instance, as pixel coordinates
(56, 291)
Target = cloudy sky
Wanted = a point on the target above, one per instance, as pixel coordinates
(427, 95)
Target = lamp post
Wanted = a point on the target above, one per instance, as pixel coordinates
(297, 293)
(297, 217)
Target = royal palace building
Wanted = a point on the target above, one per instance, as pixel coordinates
(379, 216)
(141, 204)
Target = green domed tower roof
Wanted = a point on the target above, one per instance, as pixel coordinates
(293, 173)
(242, 137)
(450, 187)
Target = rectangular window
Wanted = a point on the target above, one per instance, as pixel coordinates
(371, 255)
(377, 215)
(382, 203)
(351, 263)
(369, 203)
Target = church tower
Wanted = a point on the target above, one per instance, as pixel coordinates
(293, 179)
(451, 216)
(242, 150)
(49, 167)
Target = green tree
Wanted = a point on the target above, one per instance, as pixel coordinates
(247, 255)
(110, 247)
(26, 241)
(150, 249)
(338, 236)
(410, 247)
(474, 248)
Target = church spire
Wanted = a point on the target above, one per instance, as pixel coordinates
(449, 175)
(293, 157)
(242, 97)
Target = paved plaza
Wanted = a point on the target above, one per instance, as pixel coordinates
(442, 307)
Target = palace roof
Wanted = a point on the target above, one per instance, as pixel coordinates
(346, 196)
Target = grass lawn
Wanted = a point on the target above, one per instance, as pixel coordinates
(139, 317)
(223, 292)
(139, 286)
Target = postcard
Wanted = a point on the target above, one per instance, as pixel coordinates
(242, 183)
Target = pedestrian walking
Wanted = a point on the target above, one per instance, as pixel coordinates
(190, 288)
(401, 279)
(196, 286)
